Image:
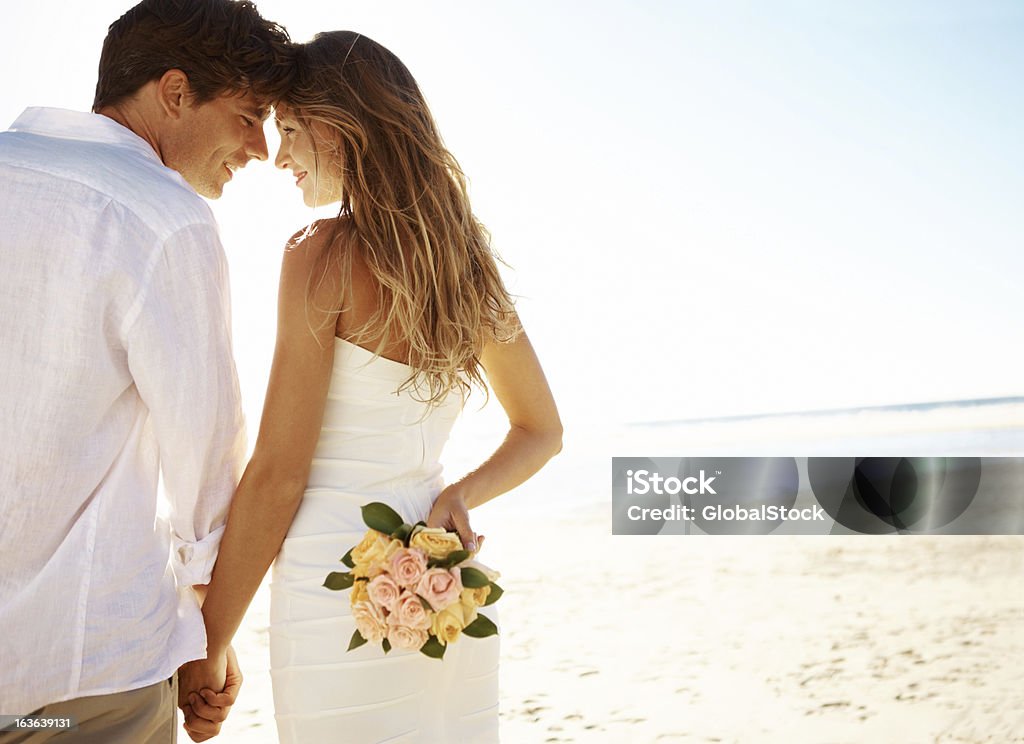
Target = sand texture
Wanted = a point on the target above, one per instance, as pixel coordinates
(737, 639)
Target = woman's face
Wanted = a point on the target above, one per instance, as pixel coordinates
(301, 153)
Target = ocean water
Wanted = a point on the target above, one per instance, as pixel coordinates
(580, 477)
(980, 427)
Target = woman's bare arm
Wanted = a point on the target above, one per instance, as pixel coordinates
(274, 480)
(534, 436)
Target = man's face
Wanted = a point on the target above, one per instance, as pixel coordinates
(213, 139)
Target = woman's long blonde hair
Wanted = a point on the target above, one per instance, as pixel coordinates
(437, 280)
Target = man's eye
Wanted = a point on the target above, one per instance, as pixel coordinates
(249, 122)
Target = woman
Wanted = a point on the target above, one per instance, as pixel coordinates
(387, 314)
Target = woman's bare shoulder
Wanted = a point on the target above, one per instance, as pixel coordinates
(310, 279)
(314, 239)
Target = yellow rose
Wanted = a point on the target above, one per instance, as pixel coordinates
(468, 608)
(447, 624)
(372, 554)
(470, 599)
(372, 541)
(436, 542)
(359, 592)
(478, 596)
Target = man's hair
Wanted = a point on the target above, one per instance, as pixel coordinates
(222, 45)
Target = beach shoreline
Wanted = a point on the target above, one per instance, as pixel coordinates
(735, 639)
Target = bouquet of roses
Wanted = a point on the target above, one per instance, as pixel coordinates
(414, 587)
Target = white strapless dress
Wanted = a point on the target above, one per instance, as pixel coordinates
(375, 445)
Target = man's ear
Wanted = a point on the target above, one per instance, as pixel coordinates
(173, 92)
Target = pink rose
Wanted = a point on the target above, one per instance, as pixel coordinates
(411, 639)
(370, 621)
(440, 587)
(384, 592)
(408, 565)
(410, 612)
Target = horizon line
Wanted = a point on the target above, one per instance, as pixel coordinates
(893, 407)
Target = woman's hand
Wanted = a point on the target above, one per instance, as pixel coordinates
(204, 709)
(451, 513)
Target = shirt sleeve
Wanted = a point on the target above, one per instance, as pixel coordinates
(179, 354)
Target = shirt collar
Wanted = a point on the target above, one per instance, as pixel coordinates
(79, 125)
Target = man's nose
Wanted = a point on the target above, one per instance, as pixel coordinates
(256, 145)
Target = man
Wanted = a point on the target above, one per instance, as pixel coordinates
(115, 329)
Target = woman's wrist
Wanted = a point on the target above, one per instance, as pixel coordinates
(215, 648)
(464, 492)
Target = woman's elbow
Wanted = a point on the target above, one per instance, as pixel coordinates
(545, 441)
(273, 484)
(553, 440)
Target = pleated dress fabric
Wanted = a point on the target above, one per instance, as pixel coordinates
(375, 445)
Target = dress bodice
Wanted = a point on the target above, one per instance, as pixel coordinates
(373, 437)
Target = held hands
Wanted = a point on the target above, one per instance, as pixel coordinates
(204, 709)
(451, 513)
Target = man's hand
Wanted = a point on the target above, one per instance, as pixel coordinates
(204, 708)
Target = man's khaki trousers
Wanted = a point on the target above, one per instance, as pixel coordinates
(144, 716)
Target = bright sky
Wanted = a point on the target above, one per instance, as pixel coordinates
(711, 208)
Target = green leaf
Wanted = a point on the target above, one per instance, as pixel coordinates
(425, 603)
(386, 645)
(381, 517)
(474, 578)
(450, 560)
(402, 533)
(433, 648)
(454, 558)
(458, 556)
(481, 628)
(347, 559)
(337, 581)
(357, 640)
(495, 595)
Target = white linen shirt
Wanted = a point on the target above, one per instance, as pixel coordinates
(115, 366)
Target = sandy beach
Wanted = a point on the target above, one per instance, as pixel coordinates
(738, 639)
